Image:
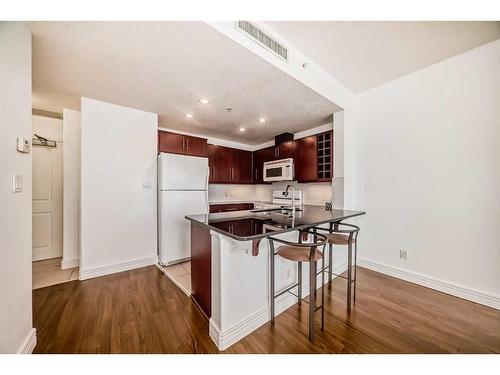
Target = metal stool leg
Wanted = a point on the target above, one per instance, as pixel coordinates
(330, 263)
(312, 300)
(271, 262)
(323, 290)
(355, 267)
(349, 273)
(299, 281)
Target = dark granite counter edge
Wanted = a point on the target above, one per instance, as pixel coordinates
(265, 235)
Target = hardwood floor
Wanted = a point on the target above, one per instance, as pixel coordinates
(142, 311)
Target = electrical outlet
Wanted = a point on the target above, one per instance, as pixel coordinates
(403, 254)
(288, 273)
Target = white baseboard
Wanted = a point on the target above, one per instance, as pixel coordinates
(469, 294)
(114, 268)
(29, 343)
(69, 263)
(42, 254)
(225, 339)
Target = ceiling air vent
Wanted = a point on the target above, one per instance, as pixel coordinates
(262, 38)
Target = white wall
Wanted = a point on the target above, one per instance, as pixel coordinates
(16, 332)
(71, 188)
(118, 210)
(428, 174)
(48, 127)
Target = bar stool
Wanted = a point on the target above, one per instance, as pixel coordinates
(301, 252)
(343, 234)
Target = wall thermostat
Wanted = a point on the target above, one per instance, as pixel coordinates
(23, 145)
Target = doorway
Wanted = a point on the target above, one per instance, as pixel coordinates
(47, 202)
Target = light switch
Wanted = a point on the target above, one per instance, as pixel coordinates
(17, 183)
(146, 185)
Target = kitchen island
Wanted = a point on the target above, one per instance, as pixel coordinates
(230, 265)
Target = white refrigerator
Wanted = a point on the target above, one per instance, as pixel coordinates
(182, 190)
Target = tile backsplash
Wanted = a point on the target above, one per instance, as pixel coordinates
(314, 193)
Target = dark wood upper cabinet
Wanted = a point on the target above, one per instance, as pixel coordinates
(195, 146)
(219, 159)
(181, 144)
(259, 158)
(313, 158)
(229, 165)
(241, 166)
(170, 142)
(305, 159)
(324, 152)
(284, 150)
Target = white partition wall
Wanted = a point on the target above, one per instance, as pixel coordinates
(16, 332)
(118, 188)
(71, 186)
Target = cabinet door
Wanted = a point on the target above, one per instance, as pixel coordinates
(171, 142)
(305, 159)
(195, 146)
(241, 167)
(285, 150)
(221, 166)
(260, 157)
(211, 162)
(214, 208)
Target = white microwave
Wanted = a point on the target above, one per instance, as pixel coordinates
(278, 170)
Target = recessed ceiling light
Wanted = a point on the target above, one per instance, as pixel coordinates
(262, 120)
(204, 101)
(189, 115)
(242, 129)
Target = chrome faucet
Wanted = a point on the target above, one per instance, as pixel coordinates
(293, 197)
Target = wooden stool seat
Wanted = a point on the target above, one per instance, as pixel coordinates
(338, 239)
(298, 254)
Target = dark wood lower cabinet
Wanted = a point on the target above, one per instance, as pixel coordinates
(230, 207)
(201, 268)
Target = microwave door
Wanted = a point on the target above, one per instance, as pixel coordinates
(273, 173)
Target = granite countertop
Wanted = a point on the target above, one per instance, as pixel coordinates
(250, 225)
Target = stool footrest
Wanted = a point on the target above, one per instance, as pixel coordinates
(286, 290)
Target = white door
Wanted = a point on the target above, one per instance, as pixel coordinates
(47, 202)
(174, 228)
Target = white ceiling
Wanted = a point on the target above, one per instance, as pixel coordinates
(165, 67)
(362, 55)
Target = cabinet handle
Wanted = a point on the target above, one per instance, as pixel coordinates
(256, 174)
(278, 151)
(187, 144)
(183, 144)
